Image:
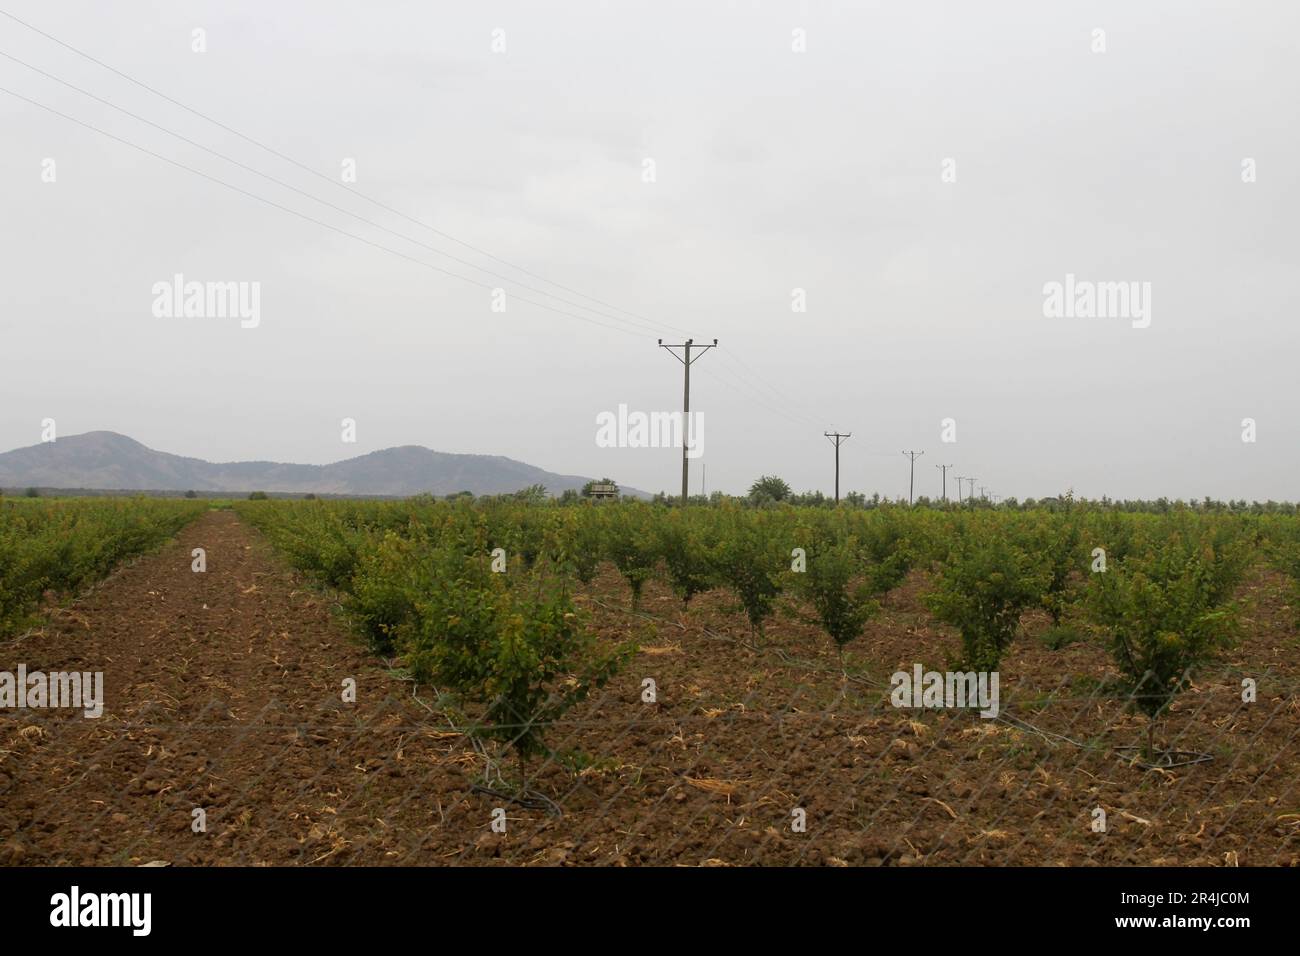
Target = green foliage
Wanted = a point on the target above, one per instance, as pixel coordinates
(578, 544)
(769, 488)
(752, 557)
(884, 549)
(843, 603)
(504, 650)
(1055, 543)
(64, 545)
(391, 575)
(630, 544)
(257, 496)
(982, 590)
(687, 554)
(1166, 612)
(1284, 552)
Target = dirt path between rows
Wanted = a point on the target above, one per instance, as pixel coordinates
(224, 694)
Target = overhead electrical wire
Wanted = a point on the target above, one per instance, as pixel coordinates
(744, 373)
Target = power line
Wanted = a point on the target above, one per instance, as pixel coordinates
(780, 397)
(944, 469)
(303, 166)
(686, 361)
(301, 215)
(838, 439)
(355, 192)
(911, 482)
(324, 202)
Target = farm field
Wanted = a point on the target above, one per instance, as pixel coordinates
(519, 696)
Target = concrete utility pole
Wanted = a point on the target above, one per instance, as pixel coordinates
(839, 439)
(686, 360)
(984, 491)
(971, 493)
(944, 469)
(960, 479)
(911, 481)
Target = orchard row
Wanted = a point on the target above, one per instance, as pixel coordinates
(477, 599)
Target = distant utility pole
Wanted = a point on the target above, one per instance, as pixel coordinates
(911, 481)
(839, 439)
(971, 493)
(984, 491)
(944, 469)
(686, 360)
(960, 479)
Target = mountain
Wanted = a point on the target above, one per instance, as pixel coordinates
(108, 461)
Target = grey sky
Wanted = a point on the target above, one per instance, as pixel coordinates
(775, 170)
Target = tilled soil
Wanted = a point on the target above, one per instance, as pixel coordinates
(225, 707)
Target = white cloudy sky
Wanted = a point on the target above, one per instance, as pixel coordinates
(775, 170)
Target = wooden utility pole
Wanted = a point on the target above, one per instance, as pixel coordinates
(911, 482)
(944, 469)
(686, 360)
(838, 438)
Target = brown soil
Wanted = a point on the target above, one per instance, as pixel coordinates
(224, 692)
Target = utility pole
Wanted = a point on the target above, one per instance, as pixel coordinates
(944, 469)
(911, 481)
(960, 479)
(686, 360)
(839, 439)
(971, 494)
(984, 491)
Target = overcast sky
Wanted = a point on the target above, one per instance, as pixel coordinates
(774, 170)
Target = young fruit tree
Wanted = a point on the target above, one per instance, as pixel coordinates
(630, 544)
(982, 590)
(517, 656)
(752, 558)
(1166, 612)
(683, 543)
(833, 584)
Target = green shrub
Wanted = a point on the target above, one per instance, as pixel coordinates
(842, 607)
(630, 544)
(752, 557)
(982, 590)
(1166, 613)
(687, 555)
(520, 657)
